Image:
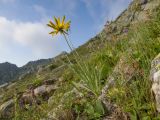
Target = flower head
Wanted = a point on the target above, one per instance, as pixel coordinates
(59, 26)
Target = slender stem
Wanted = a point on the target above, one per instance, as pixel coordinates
(79, 64)
(85, 71)
(71, 46)
(67, 42)
(79, 61)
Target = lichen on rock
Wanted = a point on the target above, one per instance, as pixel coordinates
(155, 77)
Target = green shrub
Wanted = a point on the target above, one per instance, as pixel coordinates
(94, 110)
(37, 82)
(53, 66)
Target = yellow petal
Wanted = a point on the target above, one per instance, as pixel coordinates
(49, 25)
(64, 17)
(56, 21)
(53, 33)
(67, 26)
(59, 22)
(52, 25)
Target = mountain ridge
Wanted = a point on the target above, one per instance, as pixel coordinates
(10, 72)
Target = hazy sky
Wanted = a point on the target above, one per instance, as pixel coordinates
(24, 34)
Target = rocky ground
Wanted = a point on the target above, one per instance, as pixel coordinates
(128, 49)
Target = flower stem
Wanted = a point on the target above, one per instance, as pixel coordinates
(79, 60)
(68, 42)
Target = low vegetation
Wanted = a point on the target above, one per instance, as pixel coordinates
(126, 57)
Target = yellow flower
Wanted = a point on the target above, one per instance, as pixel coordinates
(59, 26)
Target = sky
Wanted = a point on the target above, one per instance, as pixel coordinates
(24, 35)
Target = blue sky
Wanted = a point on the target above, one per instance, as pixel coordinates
(24, 35)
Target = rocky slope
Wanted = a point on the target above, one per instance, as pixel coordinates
(125, 48)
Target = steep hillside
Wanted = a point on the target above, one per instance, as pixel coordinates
(108, 80)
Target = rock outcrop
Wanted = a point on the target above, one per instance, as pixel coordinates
(5, 108)
(155, 77)
(44, 91)
(38, 94)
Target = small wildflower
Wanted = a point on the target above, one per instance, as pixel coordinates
(59, 26)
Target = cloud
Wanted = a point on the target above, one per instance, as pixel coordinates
(22, 41)
(26, 38)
